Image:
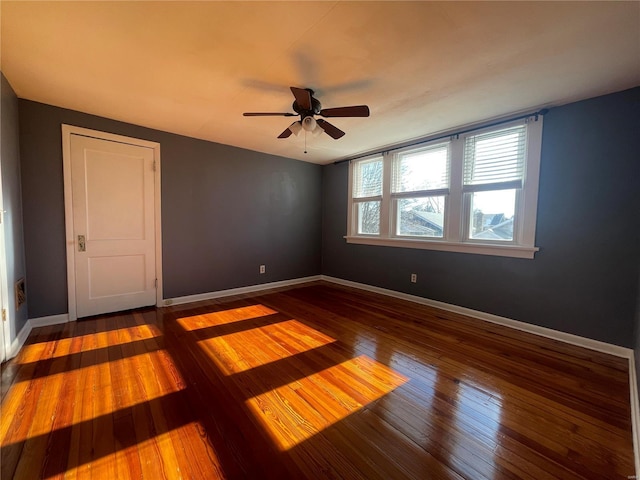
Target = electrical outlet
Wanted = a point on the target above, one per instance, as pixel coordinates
(414, 278)
(263, 269)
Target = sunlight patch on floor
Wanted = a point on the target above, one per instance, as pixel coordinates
(96, 383)
(295, 412)
(241, 351)
(34, 352)
(153, 457)
(223, 317)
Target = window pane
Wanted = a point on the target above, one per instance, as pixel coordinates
(423, 217)
(426, 169)
(492, 215)
(369, 217)
(367, 178)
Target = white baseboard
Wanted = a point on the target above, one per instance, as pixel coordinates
(18, 342)
(507, 322)
(238, 291)
(50, 320)
(32, 323)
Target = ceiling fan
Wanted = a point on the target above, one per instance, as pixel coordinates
(306, 105)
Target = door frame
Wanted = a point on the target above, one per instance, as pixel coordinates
(67, 131)
(5, 324)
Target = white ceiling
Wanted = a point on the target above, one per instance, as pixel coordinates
(422, 67)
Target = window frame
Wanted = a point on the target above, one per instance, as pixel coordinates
(456, 225)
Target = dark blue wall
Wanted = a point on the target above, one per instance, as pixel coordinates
(225, 210)
(584, 279)
(12, 203)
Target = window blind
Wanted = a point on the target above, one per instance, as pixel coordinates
(367, 178)
(422, 170)
(495, 159)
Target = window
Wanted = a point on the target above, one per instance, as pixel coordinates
(419, 187)
(367, 195)
(493, 178)
(474, 193)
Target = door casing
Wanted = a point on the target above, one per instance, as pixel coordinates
(5, 324)
(67, 132)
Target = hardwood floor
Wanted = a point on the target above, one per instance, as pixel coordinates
(319, 381)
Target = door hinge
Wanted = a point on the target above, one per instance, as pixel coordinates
(4, 314)
(156, 283)
(154, 165)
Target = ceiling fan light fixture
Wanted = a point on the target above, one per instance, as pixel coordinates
(309, 124)
(295, 128)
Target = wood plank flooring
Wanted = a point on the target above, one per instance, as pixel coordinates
(318, 381)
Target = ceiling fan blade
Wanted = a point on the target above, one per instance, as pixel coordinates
(295, 128)
(331, 130)
(287, 133)
(354, 111)
(303, 97)
(269, 114)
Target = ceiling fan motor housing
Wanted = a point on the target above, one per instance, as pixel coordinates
(316, 106)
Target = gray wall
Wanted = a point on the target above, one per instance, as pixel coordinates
(583, 281)
(225, 210)
(11, 199)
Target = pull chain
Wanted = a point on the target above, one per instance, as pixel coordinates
(305, 141)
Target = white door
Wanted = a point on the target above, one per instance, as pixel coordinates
(112, 190)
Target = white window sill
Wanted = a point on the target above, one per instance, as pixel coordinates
(516, 251)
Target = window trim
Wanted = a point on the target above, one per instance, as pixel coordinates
(458, 203)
